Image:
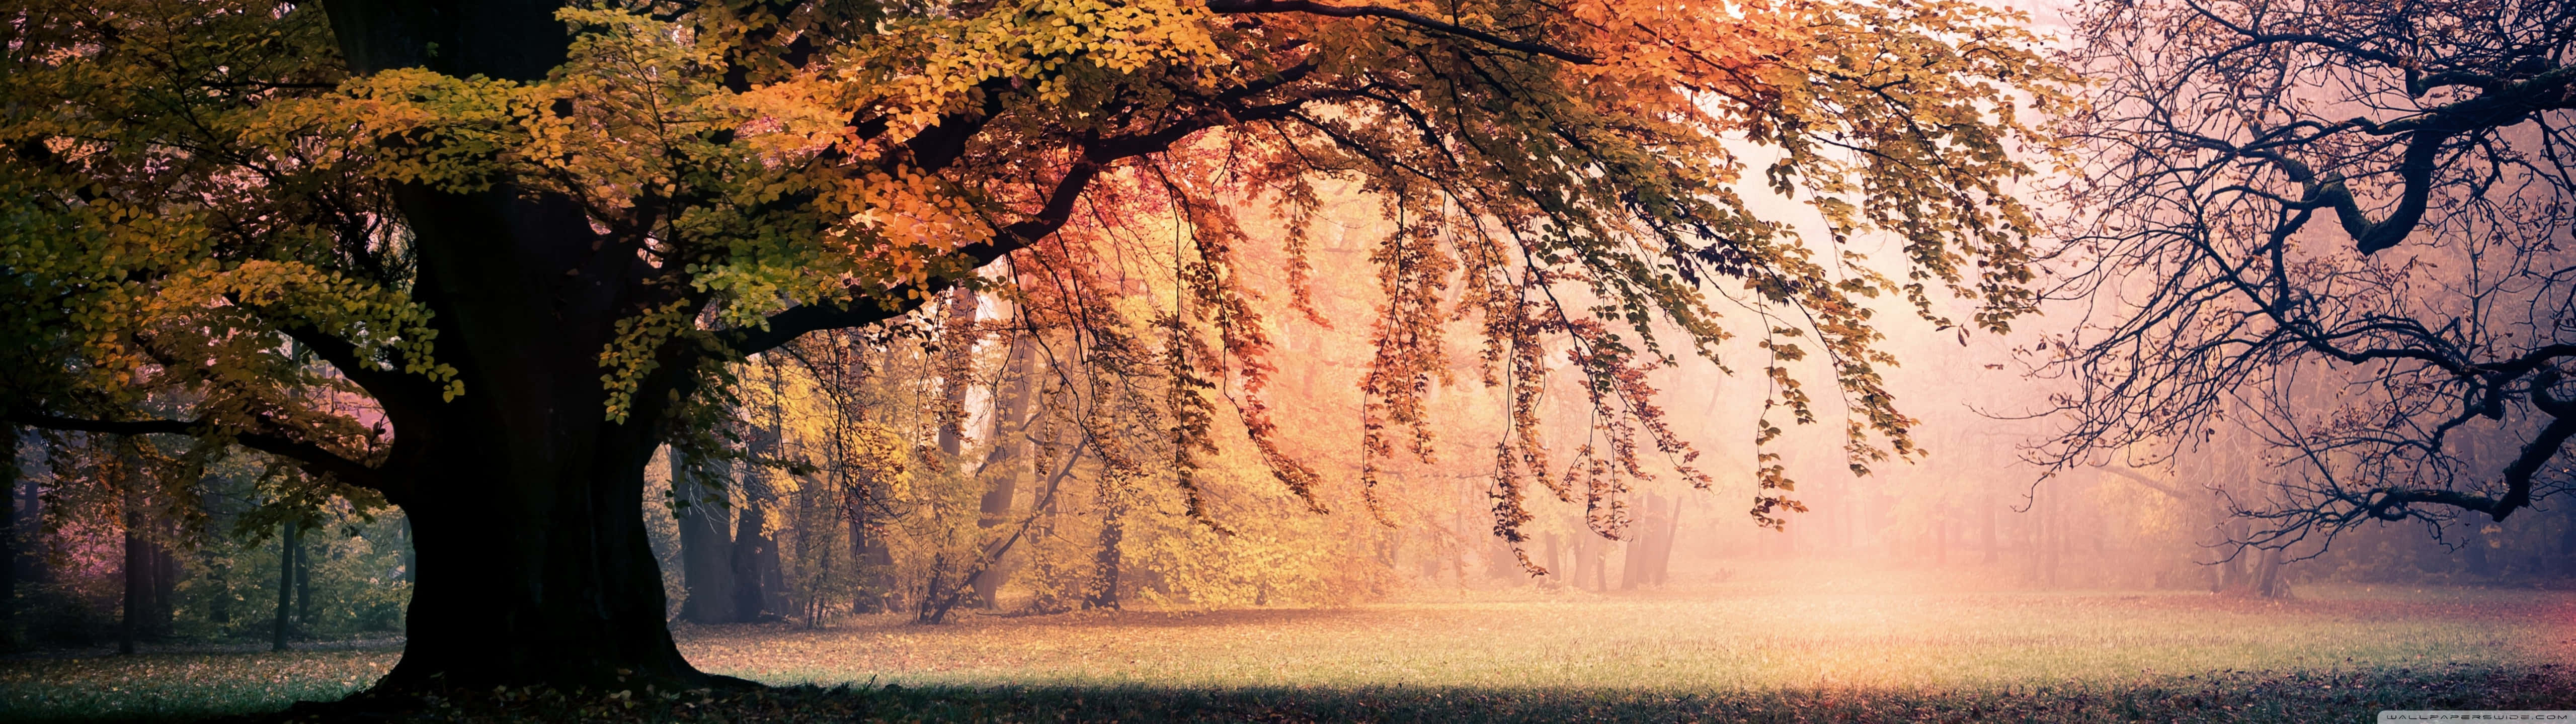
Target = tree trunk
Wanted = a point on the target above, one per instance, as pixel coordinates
(163, 608)
(957, 348)
(2267, 575)
(9, 546)
(2480, 564)
(137, 575)
(1104, 583)
(2567, 543)
(219, 611)
(286, 544)
(303, 583)
(706, 548)
(535, 566)
(877, 572)
(33, 565)
(753, 554)
(1010, 413)
(524, 494)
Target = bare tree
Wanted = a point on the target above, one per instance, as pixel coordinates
(2339, 228)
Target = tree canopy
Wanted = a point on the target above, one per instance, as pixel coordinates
(482, 257)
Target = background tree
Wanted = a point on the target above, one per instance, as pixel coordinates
(2336, 231)
(524, 236)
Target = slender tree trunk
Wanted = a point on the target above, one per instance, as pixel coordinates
(163, 608)
(303, 583)
(957, 374)
(1104, 583)
(33, 565)
(1010, 413)
(137, 576)
(286, 544)
(219, 611)
(9, 545)
(2567, 543)
(2479, 562)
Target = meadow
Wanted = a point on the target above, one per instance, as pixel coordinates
(1789, 649)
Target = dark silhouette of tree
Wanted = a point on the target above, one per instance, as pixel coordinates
(2336, 231)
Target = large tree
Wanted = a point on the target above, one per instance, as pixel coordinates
(481, 255)
(2336, 230)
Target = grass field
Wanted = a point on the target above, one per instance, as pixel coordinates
(1791, 650)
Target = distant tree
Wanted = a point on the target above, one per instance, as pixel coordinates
(2335, 229)
(525, 235)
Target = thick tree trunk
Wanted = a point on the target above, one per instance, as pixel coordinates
(752, 556)
(525, 498)
(535, 567)
(541, 573)
(2267, 576)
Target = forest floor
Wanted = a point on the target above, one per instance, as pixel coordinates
(1782, 650)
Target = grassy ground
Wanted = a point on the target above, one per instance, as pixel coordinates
(1751, 652)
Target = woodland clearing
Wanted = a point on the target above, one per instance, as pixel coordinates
(1772, 648)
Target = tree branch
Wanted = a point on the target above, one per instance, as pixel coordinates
(1266, 7)
(312, 458)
